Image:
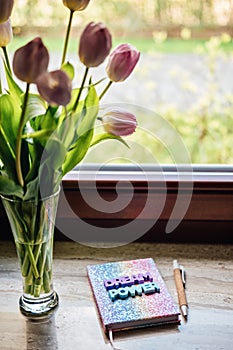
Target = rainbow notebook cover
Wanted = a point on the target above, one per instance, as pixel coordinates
(131, 294)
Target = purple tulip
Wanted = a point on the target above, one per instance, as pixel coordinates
(76, 5)
(5, 33)
(122, 62)
(55, 87)
(119, 122)
(30, 61)
(5, 9)
(95, 44)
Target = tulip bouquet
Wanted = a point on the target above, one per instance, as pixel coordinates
(44, 135)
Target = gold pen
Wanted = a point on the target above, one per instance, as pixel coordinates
(179, 277)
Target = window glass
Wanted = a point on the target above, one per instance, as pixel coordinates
(182, 88)
(184, 78)
(183, 81)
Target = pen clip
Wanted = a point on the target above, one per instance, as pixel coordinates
(183, 276)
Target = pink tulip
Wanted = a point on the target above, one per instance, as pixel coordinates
(119, 122)
(5, 9)
(5, 33)
(55, 87)
(122, 62)
(30, 61)
(95, 44)
(76, 5)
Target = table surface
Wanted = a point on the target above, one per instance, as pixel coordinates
(76, 325)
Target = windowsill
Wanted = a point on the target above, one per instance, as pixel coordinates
(76, 326)
(196, 172)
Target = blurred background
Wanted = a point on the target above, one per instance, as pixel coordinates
(183, 82)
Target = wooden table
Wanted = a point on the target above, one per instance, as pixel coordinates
(76, 326)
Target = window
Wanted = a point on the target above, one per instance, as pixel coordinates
(187, 112)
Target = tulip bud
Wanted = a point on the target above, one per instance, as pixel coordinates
(95, 44)
(5, 9)
(5, 33)
(76, 5)
(122, 62)
(30, 61)
(119, 122)
(55, 87)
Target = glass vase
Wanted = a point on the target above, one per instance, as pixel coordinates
(32, 225)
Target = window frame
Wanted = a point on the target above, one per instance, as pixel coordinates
(210, 209)
(209, 217)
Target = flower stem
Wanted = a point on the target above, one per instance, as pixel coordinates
(80, 90)
(105, 90)
(32, 260)
(19, 138)
(67, 37)
(6, 58)
(66, 126)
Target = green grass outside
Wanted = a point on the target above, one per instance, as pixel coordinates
(142, 44)
(172, 45)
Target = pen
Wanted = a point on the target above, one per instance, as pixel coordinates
(179, 277)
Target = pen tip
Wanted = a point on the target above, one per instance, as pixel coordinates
(175, 264)
(184, 311)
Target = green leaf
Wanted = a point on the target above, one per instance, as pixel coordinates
(32, 189)
(35, 107)
(6, 156)
(89, 111)
(50, 119)
(70, 105)
(67, 130)
(69, 70)
(65, 115)
(51, 165)
(35, 150)
(9, 187)
(46, 167)
(54, 153)
(68, 123)
(42, 126)
(84, 133)
(103, 137)
(78, 152)
(41, 134)
(13, 87)
(9, 118)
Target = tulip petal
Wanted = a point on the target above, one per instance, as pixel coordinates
(119, 122)
(122, 62)
(55, 87)
(76, 5)
(5, 9)
(95, 44)
(30, 61)
(5, 33)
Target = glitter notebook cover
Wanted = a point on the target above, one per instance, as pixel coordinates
(140, 310)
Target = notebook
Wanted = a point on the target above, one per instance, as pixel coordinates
(131, 294)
